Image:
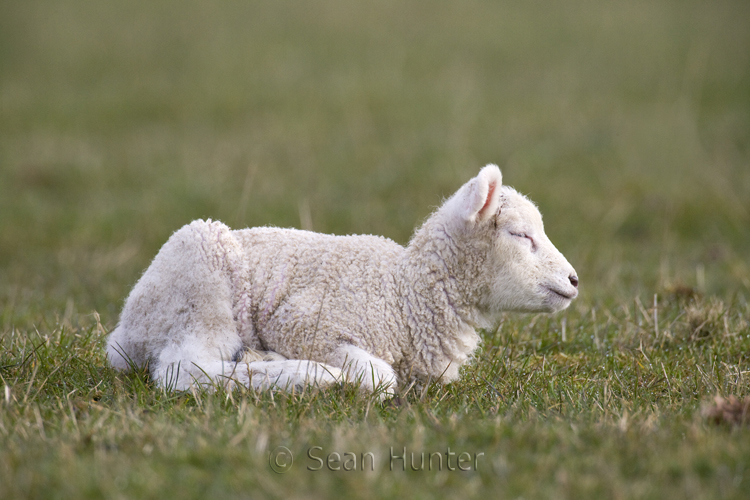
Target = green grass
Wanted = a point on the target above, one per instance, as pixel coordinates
(627, 122)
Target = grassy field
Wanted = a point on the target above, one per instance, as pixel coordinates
(627, 122)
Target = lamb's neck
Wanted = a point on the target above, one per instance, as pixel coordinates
(441, 288)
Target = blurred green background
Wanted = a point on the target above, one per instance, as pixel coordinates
(627, 122)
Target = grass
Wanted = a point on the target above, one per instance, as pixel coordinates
(627, 122)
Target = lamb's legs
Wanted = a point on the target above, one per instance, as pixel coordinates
(287, 375)
(269, 370)
(359, 366)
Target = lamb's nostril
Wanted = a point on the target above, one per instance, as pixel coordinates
(574, 280)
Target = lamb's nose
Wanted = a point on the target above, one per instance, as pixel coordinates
(574, 280)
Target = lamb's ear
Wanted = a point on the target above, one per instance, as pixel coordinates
(481, 195)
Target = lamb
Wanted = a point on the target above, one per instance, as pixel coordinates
(283, 308)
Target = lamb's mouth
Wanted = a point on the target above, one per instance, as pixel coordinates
(563, 295)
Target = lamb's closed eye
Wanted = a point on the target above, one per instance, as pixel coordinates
(525, 237)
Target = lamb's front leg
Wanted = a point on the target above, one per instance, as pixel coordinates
(359, 366)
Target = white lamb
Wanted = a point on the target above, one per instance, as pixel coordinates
(269, 307)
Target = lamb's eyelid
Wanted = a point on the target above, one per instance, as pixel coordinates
(526, 236)
(520, 234)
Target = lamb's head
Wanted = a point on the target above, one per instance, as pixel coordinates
(518, 267)
(530, 274)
